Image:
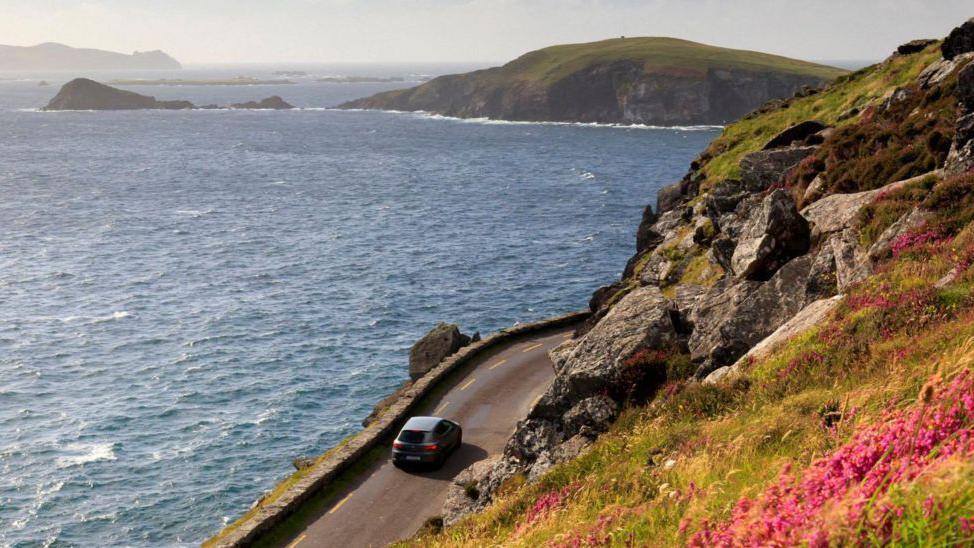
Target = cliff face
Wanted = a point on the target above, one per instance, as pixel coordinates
(629, 81)
(51, 56)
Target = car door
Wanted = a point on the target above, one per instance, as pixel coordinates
(451, 433)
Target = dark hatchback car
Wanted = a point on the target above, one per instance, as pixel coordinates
(426, 440)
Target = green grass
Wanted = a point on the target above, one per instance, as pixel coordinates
(856, 90)
(657, 55)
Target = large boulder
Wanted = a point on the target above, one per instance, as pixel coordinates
(807, 318)
(836, 212)
(773, 234)
(763, 168)
(959, 41)
(914, 46)
(734, 315)
(442, 341)
(593, 363)
(796, 133)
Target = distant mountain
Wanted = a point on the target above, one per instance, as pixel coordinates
(663, 81)
(52, 56)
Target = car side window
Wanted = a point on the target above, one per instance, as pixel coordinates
(442, 428)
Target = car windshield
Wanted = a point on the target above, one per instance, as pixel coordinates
(411, 436)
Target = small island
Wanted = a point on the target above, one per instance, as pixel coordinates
(85, 94)
(361, 79)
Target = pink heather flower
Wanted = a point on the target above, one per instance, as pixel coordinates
(911, 240)
(850, 483)
(966, 525)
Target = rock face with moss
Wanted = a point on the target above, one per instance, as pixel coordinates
(656, 81)
(769, 225)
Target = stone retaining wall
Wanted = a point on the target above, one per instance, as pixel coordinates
(321, 474)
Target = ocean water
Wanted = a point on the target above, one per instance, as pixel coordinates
(189, 300)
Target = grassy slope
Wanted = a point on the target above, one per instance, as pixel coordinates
(657, 54)
(661, 55)
(883, 387)
(855, 90)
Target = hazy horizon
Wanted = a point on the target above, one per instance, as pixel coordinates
(212, 32)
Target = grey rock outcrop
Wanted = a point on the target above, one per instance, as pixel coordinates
(807, 318)
(795, 134)
(761, 169)
(441, 341)
(771, 237)
(914, 46)
(959, 41)
(734, 315)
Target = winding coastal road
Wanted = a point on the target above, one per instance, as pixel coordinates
(385, 504)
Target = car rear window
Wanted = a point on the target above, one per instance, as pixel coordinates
(411, 436)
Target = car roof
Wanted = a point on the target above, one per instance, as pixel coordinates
(425, 424)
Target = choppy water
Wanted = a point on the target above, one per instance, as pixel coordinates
(188, 300)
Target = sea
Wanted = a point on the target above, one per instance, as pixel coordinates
(191, 299)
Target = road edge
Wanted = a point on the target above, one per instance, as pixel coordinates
(339, 459)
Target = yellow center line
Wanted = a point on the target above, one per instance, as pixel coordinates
(498, 364)
(297, 541)
(530, 348)
(340, 503)
(441, 408)
(464, 387)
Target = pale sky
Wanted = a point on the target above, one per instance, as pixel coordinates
(261, 31)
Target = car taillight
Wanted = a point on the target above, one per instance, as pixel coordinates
(397, 445)
(430, 447)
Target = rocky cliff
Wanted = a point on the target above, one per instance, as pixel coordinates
(787, 299)
(85, 94)
(52, 56)
(655, 81)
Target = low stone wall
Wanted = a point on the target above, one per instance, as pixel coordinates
(383, 428)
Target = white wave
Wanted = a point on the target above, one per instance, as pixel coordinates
(118, 315)
(491, 121)
(121, 314)
(265, 415)
(195, 212)
(82, 453)
(586, 175)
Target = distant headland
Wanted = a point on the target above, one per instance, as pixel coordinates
(54, 56)
(653, 81)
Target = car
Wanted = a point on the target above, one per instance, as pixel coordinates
(426, 441)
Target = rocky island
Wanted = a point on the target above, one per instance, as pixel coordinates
(85, 94)
(655, 81)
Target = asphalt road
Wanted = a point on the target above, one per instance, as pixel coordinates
(385, 504)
